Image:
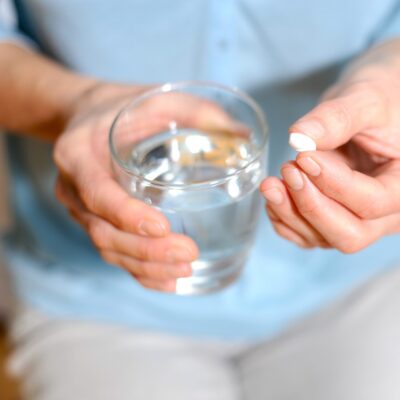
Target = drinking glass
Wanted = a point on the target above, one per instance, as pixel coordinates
(196, 151)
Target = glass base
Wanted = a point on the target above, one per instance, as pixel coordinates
(210, 277)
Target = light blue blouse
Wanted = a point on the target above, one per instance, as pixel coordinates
(284, 53)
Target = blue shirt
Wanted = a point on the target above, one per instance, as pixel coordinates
(284, 53)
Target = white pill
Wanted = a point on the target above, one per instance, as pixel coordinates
(301, 142)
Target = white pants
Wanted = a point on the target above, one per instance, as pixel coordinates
(349, 351)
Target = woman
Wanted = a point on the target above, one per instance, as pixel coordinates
(299, 323)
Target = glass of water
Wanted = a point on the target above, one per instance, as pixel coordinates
(197, 152)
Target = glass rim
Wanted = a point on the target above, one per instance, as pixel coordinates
(176, 86)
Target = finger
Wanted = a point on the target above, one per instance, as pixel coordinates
(142, 223)
(280, 203)
(177, 248)
(289, 234)
(368, 197)
(190, 110)
(171, 111)
(154, 270)
(340, 228)
(284, 231)
(162, 286)
(148, 270)
(361, 107)
(173, 248)
(103, 196)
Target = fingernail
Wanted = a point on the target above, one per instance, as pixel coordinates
(274, 196)
(309, 166)
(179, 270)
(301, 142)
(311, 127)
(178, 254)
(293, 178)
(148, 227)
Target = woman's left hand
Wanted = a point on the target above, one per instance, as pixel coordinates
(346, 195)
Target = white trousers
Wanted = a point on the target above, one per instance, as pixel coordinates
(348, 351)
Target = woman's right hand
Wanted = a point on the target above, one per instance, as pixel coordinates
(127, 232)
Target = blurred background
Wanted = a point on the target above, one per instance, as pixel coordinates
(7, 388)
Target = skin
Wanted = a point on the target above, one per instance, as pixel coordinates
(345, 195)
(355, 127)
(75, 113)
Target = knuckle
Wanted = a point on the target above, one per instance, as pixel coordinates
(144, 252)
(308, 207)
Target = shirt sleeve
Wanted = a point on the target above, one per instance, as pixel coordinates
(390, 26)
(8, 26)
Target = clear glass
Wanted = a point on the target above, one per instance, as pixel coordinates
(197, 152)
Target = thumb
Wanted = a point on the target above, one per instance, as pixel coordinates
(334, 122)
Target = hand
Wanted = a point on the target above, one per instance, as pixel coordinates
(347, 195)
(127, 232)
